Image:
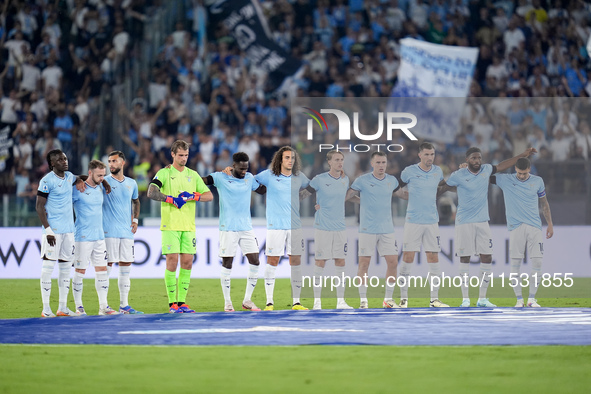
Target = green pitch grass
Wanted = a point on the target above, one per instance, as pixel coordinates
(303, 369)
(298, 369)
(20, 298)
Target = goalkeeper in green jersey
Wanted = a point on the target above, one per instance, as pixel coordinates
(179, 188)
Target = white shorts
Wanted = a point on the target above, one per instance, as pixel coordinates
(94, 252)
(526, 235)
(386, 244)
(330, 244)
(62, 250)
(229, 240)
(120, 250)
(473, 239)
(416, 235)
(280, 240)
(296, 246)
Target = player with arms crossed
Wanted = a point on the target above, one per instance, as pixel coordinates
(54, 208)
(330, 235)
(178, 221)
(422, 221)
(523, 193)
(235, 193)
(120, 221)
(472, 232)
(283, 182)
(90, 239)
(376, 229)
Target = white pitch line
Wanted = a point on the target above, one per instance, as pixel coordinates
(235, 330)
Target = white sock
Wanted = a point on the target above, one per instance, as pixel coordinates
(253, 276)
(101, 283)
(536, 272)
(296, 282)
(484, 275)
(390, 285)
(341, 288)
(270, 282)
(124, 283)
(63, 281)
(404, 282)
(109, 269)
(77, 287)
(363, 292)
(434, 271)
(46, 271)
(515, 269)
(465, 275)
(225, 281)
(318, 278)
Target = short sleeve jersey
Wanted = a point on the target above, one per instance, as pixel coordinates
(117, 208)
(59, 201)
(235, 195)
(375, 216)
(330, 195)
(472, 194)
(521, 199)
(422, 193)
(278, 199)
(88, 206)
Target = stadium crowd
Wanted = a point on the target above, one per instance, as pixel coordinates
(59, 57)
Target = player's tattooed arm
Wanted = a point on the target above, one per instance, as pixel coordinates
(136, 208)
(307, 192)
(136, 214)
(548, 216)
(401, 193)
(304, 194)
(444, 187)
(80, 182)
(353, 195)
(155, 194)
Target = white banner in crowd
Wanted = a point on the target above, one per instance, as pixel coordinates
(432, 70)
(569, 251)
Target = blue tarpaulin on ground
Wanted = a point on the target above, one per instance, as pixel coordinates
(419, 326)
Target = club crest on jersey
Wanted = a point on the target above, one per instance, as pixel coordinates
(188, 179)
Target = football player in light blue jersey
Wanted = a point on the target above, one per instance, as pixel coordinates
(523, 193)
(121, 210)
(236, 225)
(472, 232)
(422, 221)
(54, 208)
(376, 229)
(283, 183)
(90, 239)
(330, 235)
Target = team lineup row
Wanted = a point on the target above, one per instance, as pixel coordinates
(179, 187)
